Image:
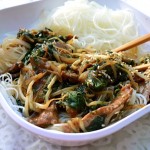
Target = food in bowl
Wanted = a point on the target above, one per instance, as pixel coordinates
(60, 85)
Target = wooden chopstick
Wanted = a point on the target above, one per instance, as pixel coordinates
(142, 67)
(131, 44)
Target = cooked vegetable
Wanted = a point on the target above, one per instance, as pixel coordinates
(96, 83)
(76, 100)
(96, 124)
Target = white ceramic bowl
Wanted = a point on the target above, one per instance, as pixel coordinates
(26, 15)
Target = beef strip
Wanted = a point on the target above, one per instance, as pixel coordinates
(47, 117)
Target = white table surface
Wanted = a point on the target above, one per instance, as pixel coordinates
(136, 136)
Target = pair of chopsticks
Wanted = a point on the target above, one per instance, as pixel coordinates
(143, 39)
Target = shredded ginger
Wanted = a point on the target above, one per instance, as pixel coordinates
(96, 26)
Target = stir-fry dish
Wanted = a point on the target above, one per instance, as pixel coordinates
(73, 89)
